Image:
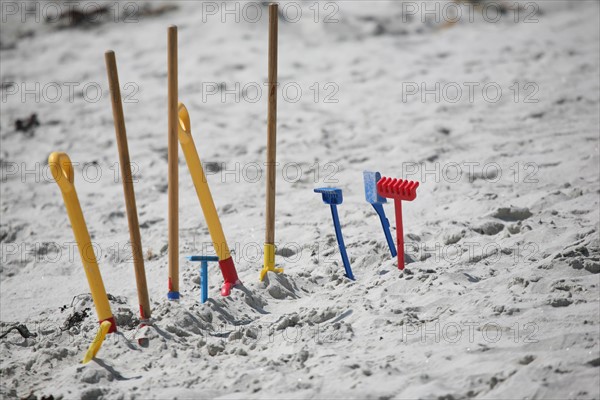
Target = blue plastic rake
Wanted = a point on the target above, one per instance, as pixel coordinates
(333, 197)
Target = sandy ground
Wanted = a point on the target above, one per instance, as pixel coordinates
(501, 300)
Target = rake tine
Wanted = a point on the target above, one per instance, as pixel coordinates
(413, 189)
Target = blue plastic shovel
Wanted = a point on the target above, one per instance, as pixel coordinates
(333, 197)
(203, 274)
(371, 179)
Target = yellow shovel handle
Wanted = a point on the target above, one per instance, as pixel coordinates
(206, 201)
(62, 171)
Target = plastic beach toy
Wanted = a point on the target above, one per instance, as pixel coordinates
(203, 274)
(62, 171)
(130, 205)
(206, 202)
(333, 197)
(269, 247)
(173, 162)
(97, 343)
(398, 189)
(371, 179)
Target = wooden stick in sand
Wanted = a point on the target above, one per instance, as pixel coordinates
(269, 249)
(132, 216)
(173, 156)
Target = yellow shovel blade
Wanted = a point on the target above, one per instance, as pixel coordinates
(97, 343)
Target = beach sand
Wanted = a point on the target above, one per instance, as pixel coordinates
(500, 299)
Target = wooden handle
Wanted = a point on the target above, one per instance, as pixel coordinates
(272, 126)
(173, 161)
(132, 217)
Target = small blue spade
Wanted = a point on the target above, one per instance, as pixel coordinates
(203, 274)
(333, 197)
(371, 179)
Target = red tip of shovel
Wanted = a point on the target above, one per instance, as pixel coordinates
(226, 288)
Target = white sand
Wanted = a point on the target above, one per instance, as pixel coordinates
(499, 304)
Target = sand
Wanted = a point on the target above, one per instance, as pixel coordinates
(501, 299)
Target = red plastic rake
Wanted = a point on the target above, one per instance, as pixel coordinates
(398, 189)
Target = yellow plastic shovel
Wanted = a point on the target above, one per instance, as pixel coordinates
(206, 202)
(62, 171)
